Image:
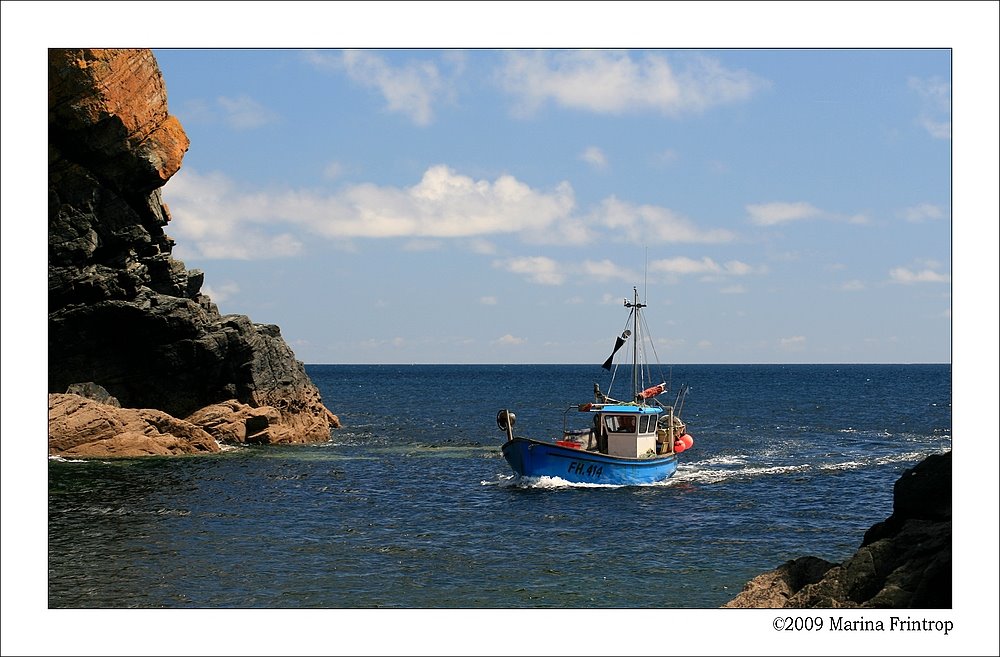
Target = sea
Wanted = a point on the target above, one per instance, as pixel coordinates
(410, 504)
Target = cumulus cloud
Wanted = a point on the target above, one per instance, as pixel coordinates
(793, 342)
(488, 301)
(509, 340)
(935, 105)
(412, 89)
(219, 220)
(614, 82)
(595, 157)
(214, 221)
(646, 224)
(214, 218)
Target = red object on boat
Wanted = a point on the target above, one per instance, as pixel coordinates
(679, 446)
(653, 391)
(569, 443)
(687, 440)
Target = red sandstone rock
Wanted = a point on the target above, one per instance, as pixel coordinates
(120, 92)
(81, 427)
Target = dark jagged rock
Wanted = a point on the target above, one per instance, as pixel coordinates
(903, 561)
(91, 390)
(123, 313)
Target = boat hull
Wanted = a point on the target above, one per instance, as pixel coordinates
(535, 458)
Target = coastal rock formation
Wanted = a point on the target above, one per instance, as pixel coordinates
(904, 562)
(83, 427)
(123, 313)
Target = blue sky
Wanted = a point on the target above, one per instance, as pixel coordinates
(496, 205)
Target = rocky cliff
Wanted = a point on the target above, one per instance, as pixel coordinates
(124, 315)
(903, 562)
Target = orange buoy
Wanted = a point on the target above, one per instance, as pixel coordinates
(687, 440)
(679, 446)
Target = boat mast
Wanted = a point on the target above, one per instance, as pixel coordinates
(635, 305)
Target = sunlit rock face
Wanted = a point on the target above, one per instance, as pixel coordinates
(123, 313)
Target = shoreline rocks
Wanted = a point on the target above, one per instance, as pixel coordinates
(904, 562)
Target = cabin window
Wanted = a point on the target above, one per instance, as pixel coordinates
(644, 424)
(620, 423)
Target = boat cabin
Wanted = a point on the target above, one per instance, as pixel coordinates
(622, 430)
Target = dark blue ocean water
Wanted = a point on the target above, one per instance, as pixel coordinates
(411, 505)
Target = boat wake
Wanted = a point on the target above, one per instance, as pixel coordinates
(556, 483)
(727, 468)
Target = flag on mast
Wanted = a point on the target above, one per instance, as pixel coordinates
(619, 341)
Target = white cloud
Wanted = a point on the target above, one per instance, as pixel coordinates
(214, 218)
(218, 220)
(852, 286)
(771, 214)
(733, 289)
(214, 221)
(412, 89)
(935, 110)
(509, 340)
(595, 157)
(645, 224)
(613, 82)
(488, 301)
(683, 265)
(537, 269)
(546, 271)
(923, 212)
(244, 113)
(780, 212)
(907, 276)
(606, 270)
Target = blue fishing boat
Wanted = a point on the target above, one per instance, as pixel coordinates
(622, 442)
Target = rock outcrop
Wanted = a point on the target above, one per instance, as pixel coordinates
(123, 313)
(904, 562)
(81, 427)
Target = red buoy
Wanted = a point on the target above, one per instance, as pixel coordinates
(687, 440)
